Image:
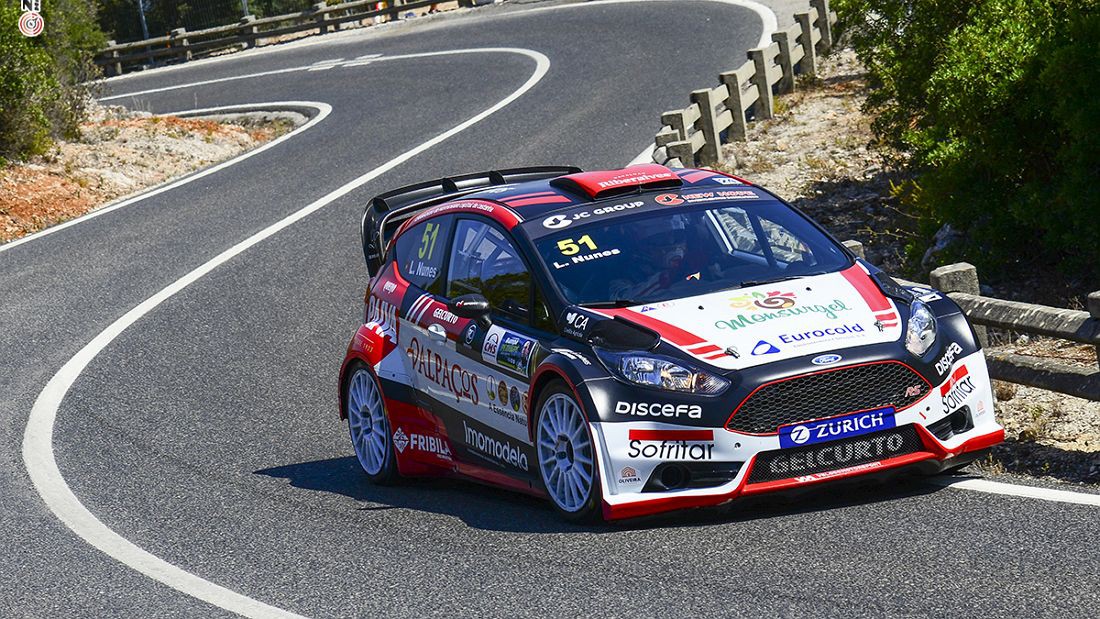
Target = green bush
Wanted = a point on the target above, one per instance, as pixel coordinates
(45, 81)
(997, 101)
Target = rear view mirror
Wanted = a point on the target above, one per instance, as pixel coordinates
(472, 306)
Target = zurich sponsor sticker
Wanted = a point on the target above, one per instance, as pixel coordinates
(824, 430)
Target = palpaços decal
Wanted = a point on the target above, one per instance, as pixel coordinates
(671, 444)
(451, 376)
(824, 430)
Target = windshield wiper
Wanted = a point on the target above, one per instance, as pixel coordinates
(774, 280)
(613, 304)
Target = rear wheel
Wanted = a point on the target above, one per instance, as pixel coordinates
(566, 455)
(369, 426)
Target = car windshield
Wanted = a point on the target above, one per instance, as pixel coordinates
(686, 252)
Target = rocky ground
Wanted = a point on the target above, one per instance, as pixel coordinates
(819, 153)
(119, 153)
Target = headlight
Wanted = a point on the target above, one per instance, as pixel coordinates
(922, 329)
(661, 372)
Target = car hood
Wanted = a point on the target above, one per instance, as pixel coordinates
(746, 327)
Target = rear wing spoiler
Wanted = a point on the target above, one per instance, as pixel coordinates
(386, 212)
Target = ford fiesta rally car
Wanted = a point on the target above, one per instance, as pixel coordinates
(642, 340)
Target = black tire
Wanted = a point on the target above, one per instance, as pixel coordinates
(560, 462)
(369, 425)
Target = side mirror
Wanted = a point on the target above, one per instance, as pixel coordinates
(472, 306)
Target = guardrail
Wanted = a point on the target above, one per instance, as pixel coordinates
(694, 135)
(248, 32)
(960, 282)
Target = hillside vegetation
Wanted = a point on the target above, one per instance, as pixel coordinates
(996, 102)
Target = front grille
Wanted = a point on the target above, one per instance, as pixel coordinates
(828, 394)
(835, 455)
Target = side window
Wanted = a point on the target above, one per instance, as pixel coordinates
(420, 252)
(484, 261)
(785, 246)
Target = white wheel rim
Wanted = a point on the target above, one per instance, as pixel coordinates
(370, 433)
(565, 453)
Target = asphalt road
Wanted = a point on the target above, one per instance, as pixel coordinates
(207, 434)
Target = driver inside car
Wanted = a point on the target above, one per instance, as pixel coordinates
(664, 258)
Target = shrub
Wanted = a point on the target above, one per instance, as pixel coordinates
(996, 101)
(45, 81)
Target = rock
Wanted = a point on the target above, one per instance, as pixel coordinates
(944, 238)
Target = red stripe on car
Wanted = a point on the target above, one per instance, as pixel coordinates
(672, 435)
(867, 289)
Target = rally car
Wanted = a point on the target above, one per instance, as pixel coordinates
(635, 341)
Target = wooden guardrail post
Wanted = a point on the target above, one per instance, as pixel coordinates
(961, 277)
(709, 154)
(319, 9)
(739, 129)
(249, 30)
(808, 64)
(179, 39)
(785, 39)
(1094, 311)
(823, 24)
(682, 150)
(856, 248)
(675, 119)
(116, 65)
(764, 107)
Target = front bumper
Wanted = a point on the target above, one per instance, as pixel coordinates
(637, 458)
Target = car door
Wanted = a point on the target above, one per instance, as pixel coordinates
(501, 351)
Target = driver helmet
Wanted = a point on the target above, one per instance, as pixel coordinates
(667, 246)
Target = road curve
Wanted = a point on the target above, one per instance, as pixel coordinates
(206, 434)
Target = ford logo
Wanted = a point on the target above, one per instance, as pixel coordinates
(825, 359)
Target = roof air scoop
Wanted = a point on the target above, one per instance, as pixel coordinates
(604, 184)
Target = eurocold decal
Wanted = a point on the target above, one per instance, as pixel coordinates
(441, 371)
(672, 444)
(957, 388)
(824, 430)
(759, 307)
(501, 451)
(808, 337)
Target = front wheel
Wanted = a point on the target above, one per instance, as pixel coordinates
(566, 456)
(369, 426)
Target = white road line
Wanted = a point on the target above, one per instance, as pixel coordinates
(38, 455)
(767, 16)
(1030, 492)
(323, 110)
(206, 82)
